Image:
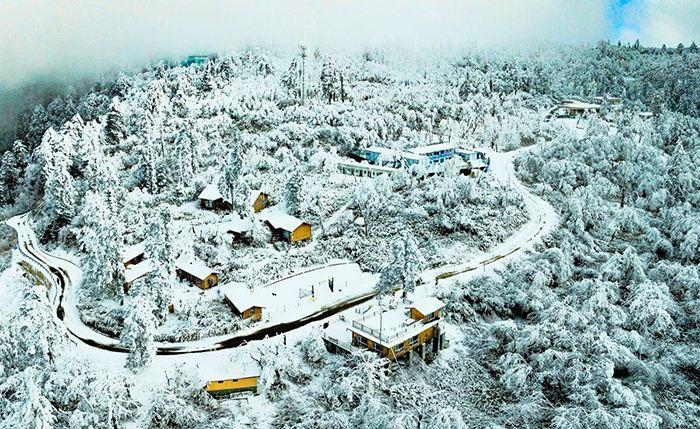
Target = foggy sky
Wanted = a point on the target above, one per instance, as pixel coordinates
(41, 37)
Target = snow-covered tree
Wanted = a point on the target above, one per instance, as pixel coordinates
(29, 407)
(101, 242)
(60, 197)
(114, 130)
(405, 267)
(137, 333)
(330, 81)
(292, 190)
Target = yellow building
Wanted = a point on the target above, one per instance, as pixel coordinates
(258, 200)
(196, 272)
(288, 227)
(396, 332)
(242, 301)
(231, 378)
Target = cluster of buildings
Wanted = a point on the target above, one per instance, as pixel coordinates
(405, 330)
(283, 226)
(571, 108)
(189, 269)
(375, 160)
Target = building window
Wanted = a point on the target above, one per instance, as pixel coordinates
(207, 204)
(431, 316)
(398, 348)
(414, 340)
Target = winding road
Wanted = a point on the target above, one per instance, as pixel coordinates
(65, 275)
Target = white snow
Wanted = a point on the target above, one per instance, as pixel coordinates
(579, 105)
(210, 192)
(241, 297)
(194, 267)
(280, 220)
(134, 272)
(438, 147)
(235, 224)
(427, 305)
(131, 252)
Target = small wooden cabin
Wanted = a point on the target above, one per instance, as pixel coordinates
(135, 272)
(195, 272)
(258, 200)
(242, 301)
(211, 199)
(288, 228)
(132, 255)
(235, 377)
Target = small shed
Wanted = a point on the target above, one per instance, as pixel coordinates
(288, 227)
(132, 255)
(211, 199)
(258, 200)
(196, 272)
(242, 301)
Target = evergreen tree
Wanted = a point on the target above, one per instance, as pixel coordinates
(292, 191)
(56, 111)
(21, 154)
(230, 185)
(38, 125)
(184, 158)
(9, 177)
(330, 81)
(160, 251)
(59, 190)
(29, 408)
(101, 242)
(114, 131)
(291, 79)
(137, 334)
(405, 267)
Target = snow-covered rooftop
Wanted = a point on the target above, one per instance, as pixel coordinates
(227, 370)
(137, 271)
(368, 166)
(211, 192)
(235, 224)
(389, 326)
(193, 267)
(383, 150)
(427, 305)
(130, 252)
(283, 221)
(579, 105)
(241, 297)
(438, 147)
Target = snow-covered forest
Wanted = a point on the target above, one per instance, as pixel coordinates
(593, 325)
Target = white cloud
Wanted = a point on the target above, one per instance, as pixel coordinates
(655, 22)
(42, 36)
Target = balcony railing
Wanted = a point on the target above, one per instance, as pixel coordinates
(385, 336)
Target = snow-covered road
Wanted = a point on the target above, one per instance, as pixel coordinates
(66, 274)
